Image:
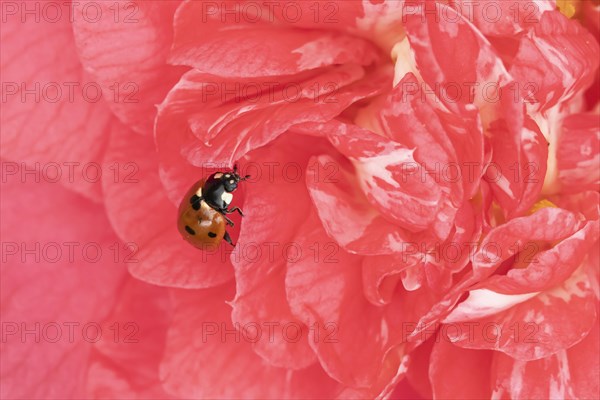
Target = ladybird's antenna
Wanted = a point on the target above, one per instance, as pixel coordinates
(239, 178)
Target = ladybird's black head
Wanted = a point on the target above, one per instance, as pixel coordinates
(228, 180)
(239, 177)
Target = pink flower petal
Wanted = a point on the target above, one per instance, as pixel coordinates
(345, 212)
(426, 325)
(450, 365)
(59, 278)
(276, 205)
(142, 215)
(578, 153)
(382, 273)
(125, 50)
(504, 18)
(546, 268)
(388, 380)
(385, 172)
(326, 297)
(413, 277)
(506, 301)
(519, 157)
(202, 343)
(207, 120)
(405, 391)
(587, 203)
(439, 138)
(204, 38)
(124, 364)
(45, 90)
(528, 326)
(375, 21)
(418, 368)
(555, 60)
(503, 242)
(422, 261)
(571, 373)
(436, 38)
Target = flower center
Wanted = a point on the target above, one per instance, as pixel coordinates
(567, 7)
(544, 203)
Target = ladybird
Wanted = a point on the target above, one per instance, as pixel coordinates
(203, 210)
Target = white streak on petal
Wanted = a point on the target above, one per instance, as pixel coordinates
(484, 302)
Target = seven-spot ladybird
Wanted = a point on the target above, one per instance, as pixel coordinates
(203, 210)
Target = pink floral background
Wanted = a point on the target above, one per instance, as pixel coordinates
(405, 282)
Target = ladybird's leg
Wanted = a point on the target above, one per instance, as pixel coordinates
(232, 210)
(223, 212)
(229, 222)
(236, 209)
(227, 238)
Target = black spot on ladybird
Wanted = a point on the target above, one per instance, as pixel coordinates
(190, 230)
(194, 200)
(212, 234)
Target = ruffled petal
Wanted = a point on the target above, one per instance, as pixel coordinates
(345, 211)
(324, 296)
(207, 120)
(124, 364)
(381, 274)
(587, 203)
(578, 153)
(60, 279)
(549, 225)
(532, 325)
(547, 268)
(437, 34)
(385, 173)
(572, 373)
(374, 21)
(504, 19)
(450, 365)
(276, 205)
(519, 157)
(204, 39)
(202, 343)
(555, 60)
(54, 118)
(125, 50)
(439, 138)
(418, 368)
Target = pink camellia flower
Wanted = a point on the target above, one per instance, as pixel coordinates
(421, 218)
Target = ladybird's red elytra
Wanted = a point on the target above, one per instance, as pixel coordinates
(202, 215)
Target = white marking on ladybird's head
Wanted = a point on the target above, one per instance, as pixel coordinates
(218, 175)
(199, 192)
(227, 176)
(231, 181)
(227, 197)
